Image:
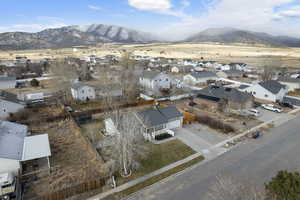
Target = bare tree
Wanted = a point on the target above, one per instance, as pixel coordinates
(226, 188)
(128, 142)
(65, 74)
(268, 73)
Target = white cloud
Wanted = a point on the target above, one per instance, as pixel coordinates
(158, 6)
(93, 7)
(293, 12)
(256, 15)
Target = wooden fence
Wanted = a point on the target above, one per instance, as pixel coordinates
(75, 190)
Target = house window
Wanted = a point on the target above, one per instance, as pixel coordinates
(266, 95)
(167, 79)
(254, 92)
(159, 79)
(82, 91)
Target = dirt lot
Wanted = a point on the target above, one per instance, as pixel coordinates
(73, 159)
(253, 55)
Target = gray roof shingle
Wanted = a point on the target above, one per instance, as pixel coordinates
(272, 86)
(12, 140)
(204, 74)
(220, 92)
(150, 74)
(158, 116)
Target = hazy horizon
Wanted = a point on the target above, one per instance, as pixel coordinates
(171, 19)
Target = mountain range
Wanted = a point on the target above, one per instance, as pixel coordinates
(230, 35)
(73, 35)
(99, 33)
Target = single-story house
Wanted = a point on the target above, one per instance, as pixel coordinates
(230, 98)
(156, 121)
(237, 66)
(182, 68)
(155, 80)
(7, 82)
(234, 73)
(16, 146)
(199, 77)
(292, 83)
(271, 90)
(82, 92)
(112, 90)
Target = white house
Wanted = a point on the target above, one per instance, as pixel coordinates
(7, 82)
(17, 147)
(155, 80)
(268, 90)
(82, 92)
(159, 120)
(199, 77)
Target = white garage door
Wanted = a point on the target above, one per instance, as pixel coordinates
(174, 124)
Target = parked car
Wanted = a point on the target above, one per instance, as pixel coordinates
(256, 135)
(254, 112)
(271, 107)
(286, 104)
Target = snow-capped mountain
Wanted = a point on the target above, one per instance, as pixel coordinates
(73, 35)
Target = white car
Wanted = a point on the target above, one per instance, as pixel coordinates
(271, 107)
(254, 112)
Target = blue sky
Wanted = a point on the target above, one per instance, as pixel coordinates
(172, 18)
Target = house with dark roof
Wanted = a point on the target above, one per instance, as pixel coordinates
(234, 73)
(153, 80)
(271, 90)
(228, 98)
(158, 120)
(202, 77)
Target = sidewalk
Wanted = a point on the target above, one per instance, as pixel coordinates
(173, 165)
(144, 178)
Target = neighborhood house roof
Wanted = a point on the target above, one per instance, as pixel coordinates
(233, 72)
(272, 86)
(220, 92)
(7, 78)
(158, 116)
(11, 140)
(78, 85)
(16, 145)
(289, 80)
(36, 147)
(150, 74)
(203, 74)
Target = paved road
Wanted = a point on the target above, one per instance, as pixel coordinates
(256, 160)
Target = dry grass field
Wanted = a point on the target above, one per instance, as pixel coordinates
(253, 55)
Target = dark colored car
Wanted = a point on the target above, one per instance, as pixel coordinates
(286, 104)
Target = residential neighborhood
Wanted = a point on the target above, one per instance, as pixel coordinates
(129, 117)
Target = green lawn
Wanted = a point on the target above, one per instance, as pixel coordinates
(160, 156)
(154, 179)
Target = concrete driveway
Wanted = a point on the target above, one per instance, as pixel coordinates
(267, 115)
(201, 139)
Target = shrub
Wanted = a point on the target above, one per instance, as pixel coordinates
(215, 123)
(163, 136)
(285, 185)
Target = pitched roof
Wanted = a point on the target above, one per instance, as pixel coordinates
(220, 92)
(288, 80)
(272, 86)
(79, 85)
(158, 116)
(233, 71)
(7, 78)
(12, 140)
(203, 74)
(150, 74)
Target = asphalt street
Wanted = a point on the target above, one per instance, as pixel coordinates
(255, 161)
